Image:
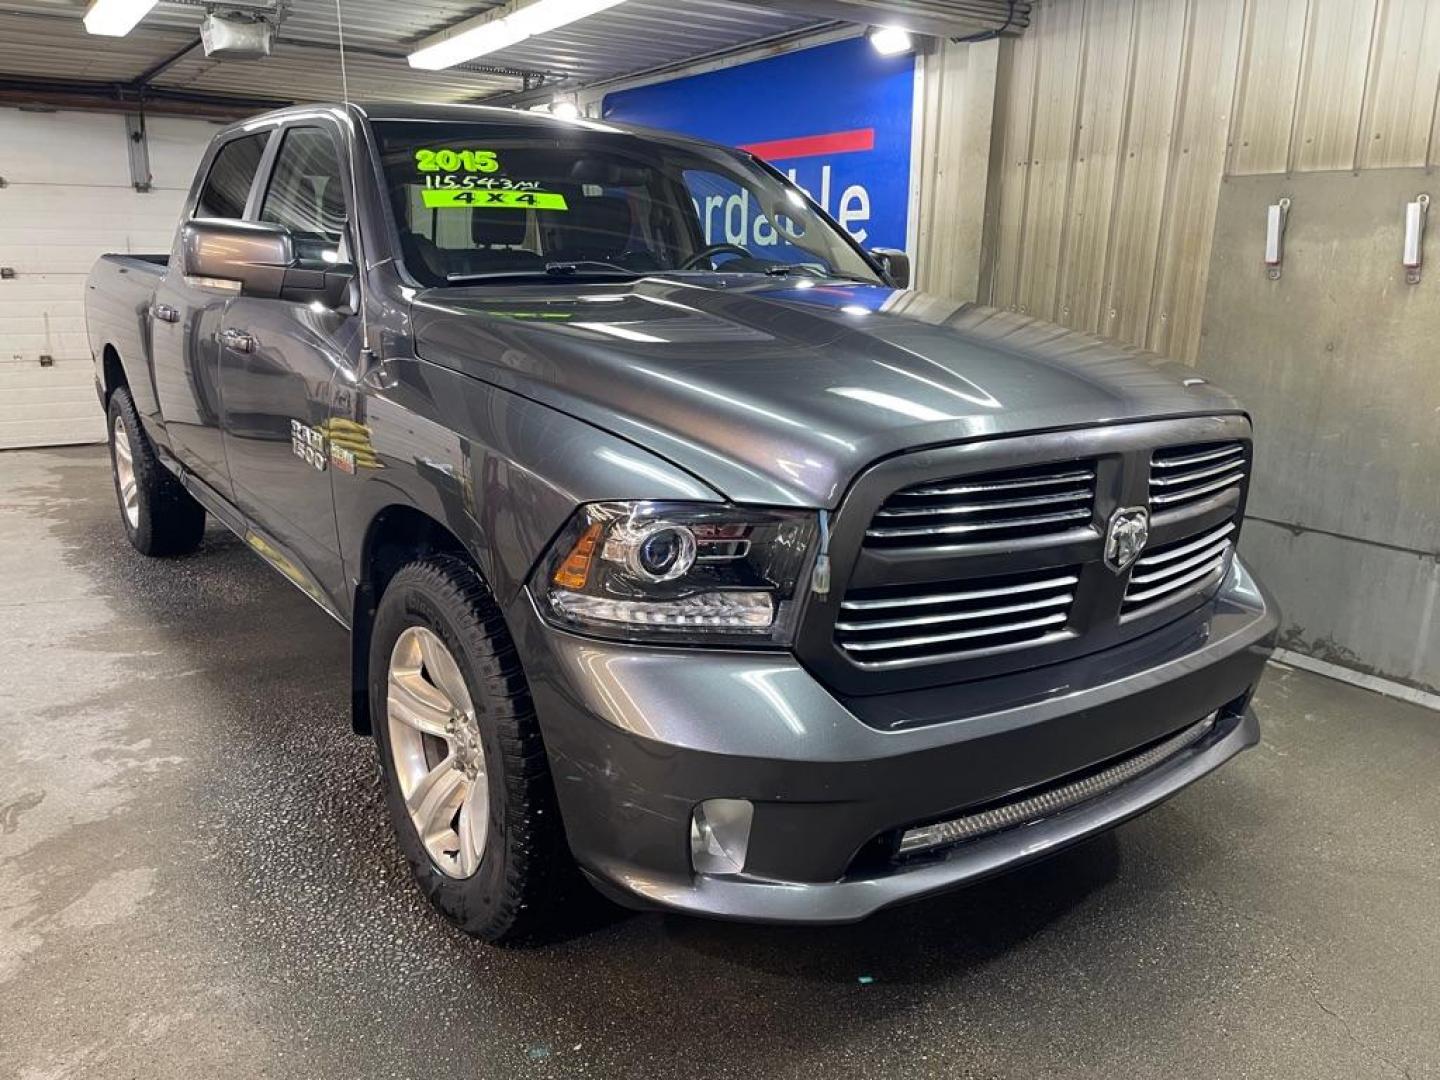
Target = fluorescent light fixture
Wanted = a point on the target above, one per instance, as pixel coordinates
(500, 29)
(565, 109)
(116, 18)
(891, 40)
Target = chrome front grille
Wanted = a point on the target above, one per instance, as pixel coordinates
(895, 626)
(1180, 475)
(1174, 571)
(1034, 501)
(983, 559)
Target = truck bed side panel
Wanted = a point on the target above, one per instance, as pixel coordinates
(118, 296)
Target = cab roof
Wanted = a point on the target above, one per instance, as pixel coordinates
(539, 122)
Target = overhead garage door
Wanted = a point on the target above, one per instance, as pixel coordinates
(67, 198)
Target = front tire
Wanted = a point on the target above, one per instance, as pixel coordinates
(160, 516)
(464, 770)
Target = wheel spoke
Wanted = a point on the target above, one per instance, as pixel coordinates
(434, 800)
(122, 449)
(443, 672)
(474, 820)
(417, 704)
(448, 803)
(128, 491)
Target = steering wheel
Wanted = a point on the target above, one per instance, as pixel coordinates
(712, 249)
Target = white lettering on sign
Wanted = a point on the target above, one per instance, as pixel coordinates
(854, 206)
(712, 203)
(737, 219)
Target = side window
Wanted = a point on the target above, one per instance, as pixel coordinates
(729, 213)
(228, 185)
(305, 193)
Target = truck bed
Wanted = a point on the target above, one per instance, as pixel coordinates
(118, 296)
(161, 260)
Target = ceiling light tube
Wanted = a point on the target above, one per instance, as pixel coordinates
(500, 29)
(116, 18)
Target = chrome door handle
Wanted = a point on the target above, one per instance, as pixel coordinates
(238, 340)
(165, 313)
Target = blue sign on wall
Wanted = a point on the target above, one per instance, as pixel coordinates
(835, 118)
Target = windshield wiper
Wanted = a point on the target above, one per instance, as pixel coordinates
(608, 271)
(828, 275)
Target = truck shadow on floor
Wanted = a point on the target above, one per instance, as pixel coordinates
(924, 941)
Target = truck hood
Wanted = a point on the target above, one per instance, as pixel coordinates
(780, 391)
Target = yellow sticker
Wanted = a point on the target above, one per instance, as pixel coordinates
(515, 200)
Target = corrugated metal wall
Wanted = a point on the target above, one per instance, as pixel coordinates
(1118, 119)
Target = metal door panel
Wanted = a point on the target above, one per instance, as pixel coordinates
(281, 361)
(187, 375)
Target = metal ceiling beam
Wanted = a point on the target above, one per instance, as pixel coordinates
(143, 79)
(777, 43)
(387, 54)
(934, 18)
(122, 97)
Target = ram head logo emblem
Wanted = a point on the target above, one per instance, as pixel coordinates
(1125, 537)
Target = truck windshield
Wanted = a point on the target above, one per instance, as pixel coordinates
(477, 201)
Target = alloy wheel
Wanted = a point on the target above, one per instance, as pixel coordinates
(125, 474)
(437, 752)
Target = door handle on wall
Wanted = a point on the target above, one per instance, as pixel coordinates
(238, 340)
(1412, 256)
(165, 313)
(1275, 218)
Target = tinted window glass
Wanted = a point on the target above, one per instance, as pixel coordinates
(730, 215)
(479, 198)
(228, 185)
(305, 193)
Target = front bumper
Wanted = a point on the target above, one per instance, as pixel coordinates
(637, 737)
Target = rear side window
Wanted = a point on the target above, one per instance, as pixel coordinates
(305, 193)
(228, 185)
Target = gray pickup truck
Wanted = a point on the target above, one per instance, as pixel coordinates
(679, 543)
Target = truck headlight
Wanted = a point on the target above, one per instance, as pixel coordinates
(657, 571)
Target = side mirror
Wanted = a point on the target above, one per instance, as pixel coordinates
(896, 265)
(249, 256)
(261, 260)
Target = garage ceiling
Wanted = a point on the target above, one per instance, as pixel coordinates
(47, 57)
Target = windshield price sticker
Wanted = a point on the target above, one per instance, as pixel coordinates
(439, 198)
(449, 161)
(470, 190)
(502, 183)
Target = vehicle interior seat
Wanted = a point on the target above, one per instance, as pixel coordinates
(423, 258)
(599, 228)
(498, 235)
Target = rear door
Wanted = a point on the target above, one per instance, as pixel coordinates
(281, 361)
(186, 318)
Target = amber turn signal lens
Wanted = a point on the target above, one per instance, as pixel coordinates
(575, 570)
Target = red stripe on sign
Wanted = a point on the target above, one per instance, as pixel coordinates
(837, 142)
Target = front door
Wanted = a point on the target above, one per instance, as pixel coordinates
(186, 318)
(281, 361)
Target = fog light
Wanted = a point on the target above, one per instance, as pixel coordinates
(719, 835)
